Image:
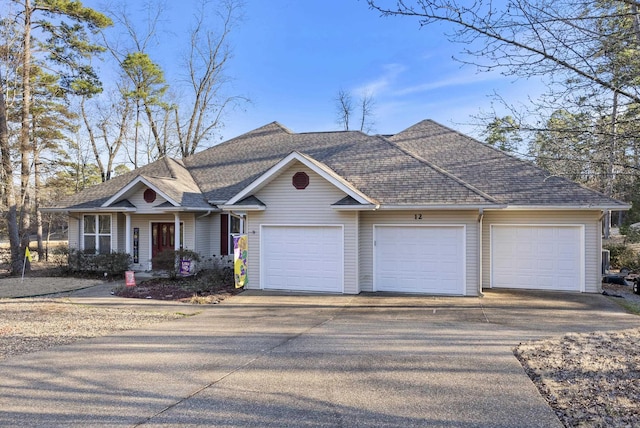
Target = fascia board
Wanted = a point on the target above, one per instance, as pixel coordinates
(131, 185)
(566, 207)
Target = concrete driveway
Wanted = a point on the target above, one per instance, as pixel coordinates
(275, 360)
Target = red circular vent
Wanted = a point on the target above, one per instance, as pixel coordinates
(300, 180)
(149, 196)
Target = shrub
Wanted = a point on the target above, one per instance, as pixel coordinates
(632, 235)
(115, 263)
(622, 256)
(168, 261)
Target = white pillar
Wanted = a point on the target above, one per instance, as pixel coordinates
(127, 234)
(176, 239)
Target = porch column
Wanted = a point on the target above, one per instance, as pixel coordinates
(176, 232)
(127, 233)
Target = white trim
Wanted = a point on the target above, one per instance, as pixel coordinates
(97, 233)
(228, 207)
(262, 253)
(363, 207)
(317, 167)
(470, 207)
(564, 207)
(131, 185)
(128, 235)
(435, 225)
(583, 255)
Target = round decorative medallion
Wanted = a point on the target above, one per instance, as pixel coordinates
(300, 180)
(149, 196)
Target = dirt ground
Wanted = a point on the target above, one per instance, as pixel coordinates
(591, 379)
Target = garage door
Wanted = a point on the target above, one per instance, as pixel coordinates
(426, 259)
(537, 257)
(302, 258)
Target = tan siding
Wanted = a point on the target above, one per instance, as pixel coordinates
(287, 205)
(589, 219)
(466, 218)
(73, 233)
(120, 244)
(143, 206)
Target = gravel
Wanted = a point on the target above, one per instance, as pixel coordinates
(30, 325)
(590, 379)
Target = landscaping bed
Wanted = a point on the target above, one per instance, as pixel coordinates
(196, 290)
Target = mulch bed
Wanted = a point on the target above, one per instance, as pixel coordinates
(181, 289)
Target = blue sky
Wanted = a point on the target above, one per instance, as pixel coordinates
(291, 57)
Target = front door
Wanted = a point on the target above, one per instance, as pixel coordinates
(162, 237)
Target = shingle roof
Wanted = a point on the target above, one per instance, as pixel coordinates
(427, 164)
(372, 164)
(508, 179)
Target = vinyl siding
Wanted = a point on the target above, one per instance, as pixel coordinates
(592, 229)
(73, 235)
(286, 205)
(120, 244)
(466, 218)
(143, 206)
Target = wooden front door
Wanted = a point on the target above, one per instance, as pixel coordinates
(162, 237)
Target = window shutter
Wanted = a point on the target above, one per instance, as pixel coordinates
(224, 234)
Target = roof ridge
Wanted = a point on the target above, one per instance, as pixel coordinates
(172, 171)
(443, 171)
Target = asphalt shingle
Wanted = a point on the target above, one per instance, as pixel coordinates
(427, 164)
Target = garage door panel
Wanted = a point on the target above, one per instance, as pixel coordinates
(302, 258)
(537, 257)
(419, 259)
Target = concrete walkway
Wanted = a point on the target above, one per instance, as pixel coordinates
(307, 361)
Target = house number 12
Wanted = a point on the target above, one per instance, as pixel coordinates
(417, 216)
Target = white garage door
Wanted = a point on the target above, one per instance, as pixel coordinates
(537, 257)
(427, 259)
(302, 258)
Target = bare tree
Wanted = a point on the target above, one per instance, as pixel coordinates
(528, 37)
(346, 109)
(206, 63)
(110, 131)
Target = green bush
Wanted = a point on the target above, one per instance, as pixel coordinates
(168, 261)
(632, 235)
(622, 256)
(115, 263)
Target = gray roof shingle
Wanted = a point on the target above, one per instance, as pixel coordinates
(426, 164)
(508, 179)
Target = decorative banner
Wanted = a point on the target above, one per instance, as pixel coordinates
(129, 279)
(185, 267)
(136, 244)
(240, 260)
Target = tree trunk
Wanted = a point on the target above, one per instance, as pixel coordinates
(611, 163)
(25, 145)
(36, 199)
(9, 190)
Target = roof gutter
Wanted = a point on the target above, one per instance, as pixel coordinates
(621, 207)
(440, 207)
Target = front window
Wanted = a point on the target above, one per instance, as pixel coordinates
(97, 234)
(235, 227)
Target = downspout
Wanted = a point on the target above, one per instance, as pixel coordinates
(480, 218)
(204, 215)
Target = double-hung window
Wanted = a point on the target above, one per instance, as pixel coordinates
(97, 234)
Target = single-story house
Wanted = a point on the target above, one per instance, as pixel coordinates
(427, 210)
